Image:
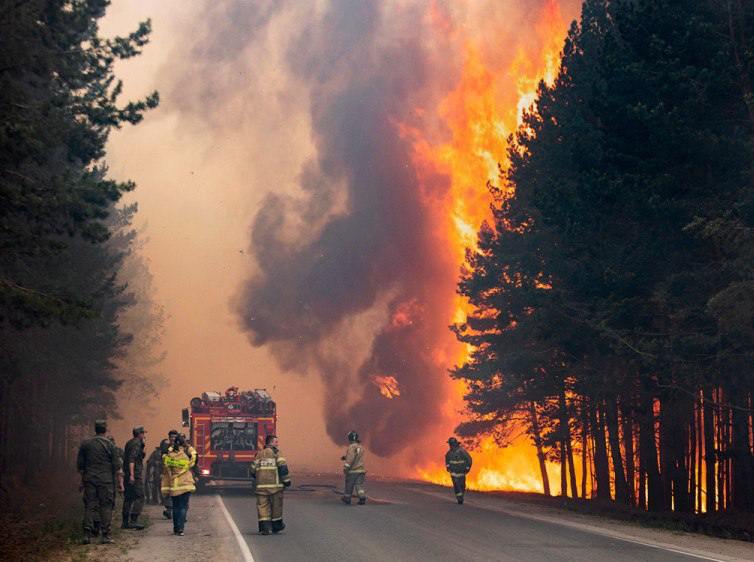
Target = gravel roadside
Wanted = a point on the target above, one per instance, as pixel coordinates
(207, 537)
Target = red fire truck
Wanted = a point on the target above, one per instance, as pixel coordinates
(227, 431)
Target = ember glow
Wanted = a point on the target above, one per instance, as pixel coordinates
(388, 385)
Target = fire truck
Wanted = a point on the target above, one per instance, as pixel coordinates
(227, 430)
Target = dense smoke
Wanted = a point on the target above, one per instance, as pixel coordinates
(353, 278)
(359, 236)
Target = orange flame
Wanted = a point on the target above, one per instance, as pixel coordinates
(388, 385)
(481, 112)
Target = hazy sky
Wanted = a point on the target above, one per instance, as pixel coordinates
(285, 114)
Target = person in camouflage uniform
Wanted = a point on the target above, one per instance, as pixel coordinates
(154, 473)
(101, 470)
(458, 464)
(133, 463)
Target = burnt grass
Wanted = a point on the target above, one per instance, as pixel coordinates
(726, 524)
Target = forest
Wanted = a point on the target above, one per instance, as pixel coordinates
(613, 290)
(77, 323)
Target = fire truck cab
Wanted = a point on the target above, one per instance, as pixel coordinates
(227, 431)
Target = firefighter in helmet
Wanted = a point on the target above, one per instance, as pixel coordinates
(271, 477)
(353, 468)
(165, 444)
(458, 464)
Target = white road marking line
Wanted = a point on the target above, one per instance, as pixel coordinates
(588, 529)
(245, 552)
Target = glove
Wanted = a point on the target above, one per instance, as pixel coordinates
(287, 484)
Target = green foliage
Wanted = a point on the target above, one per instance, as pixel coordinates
(68, 276)
(58, 103)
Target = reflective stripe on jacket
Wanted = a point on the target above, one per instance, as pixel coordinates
(177, 478)
(270, 471)
(457, 461)
(354, 462)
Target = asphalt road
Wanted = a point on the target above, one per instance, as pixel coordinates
(409, 521)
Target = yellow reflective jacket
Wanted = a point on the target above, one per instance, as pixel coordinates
(270, 471)
(354, 459)
(177, 478)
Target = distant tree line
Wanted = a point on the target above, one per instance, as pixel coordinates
(613, 292)
(68, 274)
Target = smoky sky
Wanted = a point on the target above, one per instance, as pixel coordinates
(351, 278)
(320, 264)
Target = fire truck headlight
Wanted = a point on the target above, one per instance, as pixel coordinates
(205, 472)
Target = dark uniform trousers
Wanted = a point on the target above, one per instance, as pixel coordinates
(355, 482)
(270, 508)
(459, 485)
(133, 499)
(99, 500)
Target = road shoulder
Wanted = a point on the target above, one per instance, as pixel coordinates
(207, 535)
(703, 547)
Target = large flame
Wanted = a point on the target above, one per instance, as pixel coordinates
(481, 112)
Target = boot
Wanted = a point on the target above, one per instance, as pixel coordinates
(167, 513)
(345, 500)
(134, 523)
(125, 524)
(106, 539)
(278, 526)
(362, 501)
(460, 500)
(87, 538)
(265, 527)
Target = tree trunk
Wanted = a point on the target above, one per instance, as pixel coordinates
(621, 488)
(709, 450)
(536, 436)
(648, 452)
(691, 459)
(740, 454)
(601, 465)
(628, 445)
(584, 446)
(565, 428)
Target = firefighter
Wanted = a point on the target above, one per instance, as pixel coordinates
(178, 480)
(270, 471)
(154, 475)
(100, 469)
(165, 444)
(133, 464)
(458, 464)
(354, 470)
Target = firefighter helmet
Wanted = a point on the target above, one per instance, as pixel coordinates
(353, 436)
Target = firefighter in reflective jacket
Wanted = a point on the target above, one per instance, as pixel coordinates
(353, 468)
(458, 463)
(178, 480)
(271, 476)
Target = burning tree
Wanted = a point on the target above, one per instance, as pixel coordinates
(603, 290)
